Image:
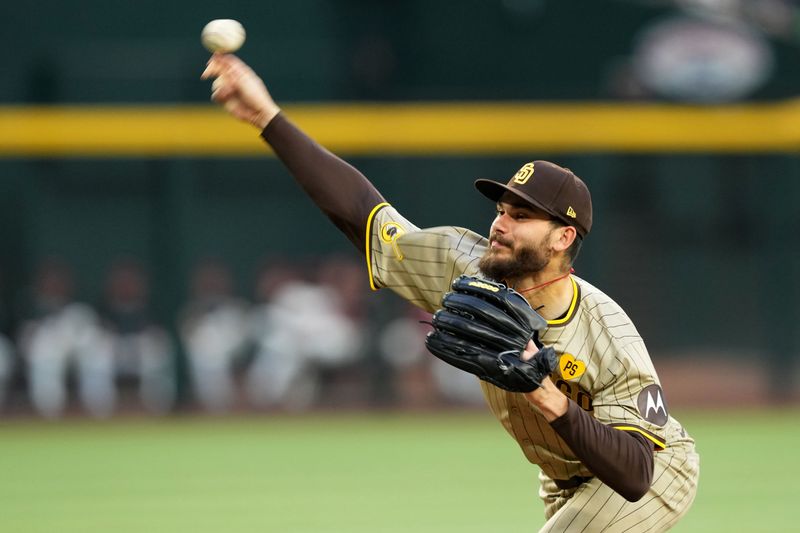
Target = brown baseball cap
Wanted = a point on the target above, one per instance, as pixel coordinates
(554, 189)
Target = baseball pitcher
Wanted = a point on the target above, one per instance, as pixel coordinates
(561, 365)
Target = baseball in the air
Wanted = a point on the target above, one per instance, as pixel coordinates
(223, 35)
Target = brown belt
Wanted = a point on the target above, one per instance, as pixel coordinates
(571, 483)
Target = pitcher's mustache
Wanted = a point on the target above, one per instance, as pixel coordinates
(494, 237)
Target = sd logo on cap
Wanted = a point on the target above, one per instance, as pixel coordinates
(555, 190)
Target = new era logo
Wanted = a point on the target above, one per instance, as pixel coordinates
(571, 212)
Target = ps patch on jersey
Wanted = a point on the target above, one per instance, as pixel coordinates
(570, 367)
(652, 406)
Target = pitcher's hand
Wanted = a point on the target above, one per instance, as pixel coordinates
(239, 90)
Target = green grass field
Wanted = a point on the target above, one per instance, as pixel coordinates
(441, 472)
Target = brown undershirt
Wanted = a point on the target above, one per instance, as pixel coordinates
(623, 460)
(338, 189)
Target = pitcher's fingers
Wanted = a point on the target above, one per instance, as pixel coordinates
(215, 66)
(218, 94)
(224, 92)
(212, 70)
(223, 88)
(529, 351)
(235, 68)
(234, 71)
(216, 85)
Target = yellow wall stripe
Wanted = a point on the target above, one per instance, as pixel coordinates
(414, 129)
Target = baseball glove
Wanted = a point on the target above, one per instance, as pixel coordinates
(483, 328)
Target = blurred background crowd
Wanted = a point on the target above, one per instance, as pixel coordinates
(308, 336)
(138, 280)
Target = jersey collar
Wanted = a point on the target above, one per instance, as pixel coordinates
(573, 306)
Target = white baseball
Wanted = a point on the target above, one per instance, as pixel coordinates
(222, 35)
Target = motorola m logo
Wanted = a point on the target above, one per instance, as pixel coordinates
(652, 406)
(655, 405)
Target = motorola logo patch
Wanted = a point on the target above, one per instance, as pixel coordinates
(652, 406)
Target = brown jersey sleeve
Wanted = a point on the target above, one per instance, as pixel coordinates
(620, 459)
(338, 189)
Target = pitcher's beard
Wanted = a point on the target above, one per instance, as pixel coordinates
(523, 262)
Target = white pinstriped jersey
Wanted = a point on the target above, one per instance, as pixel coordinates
(603, 363)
